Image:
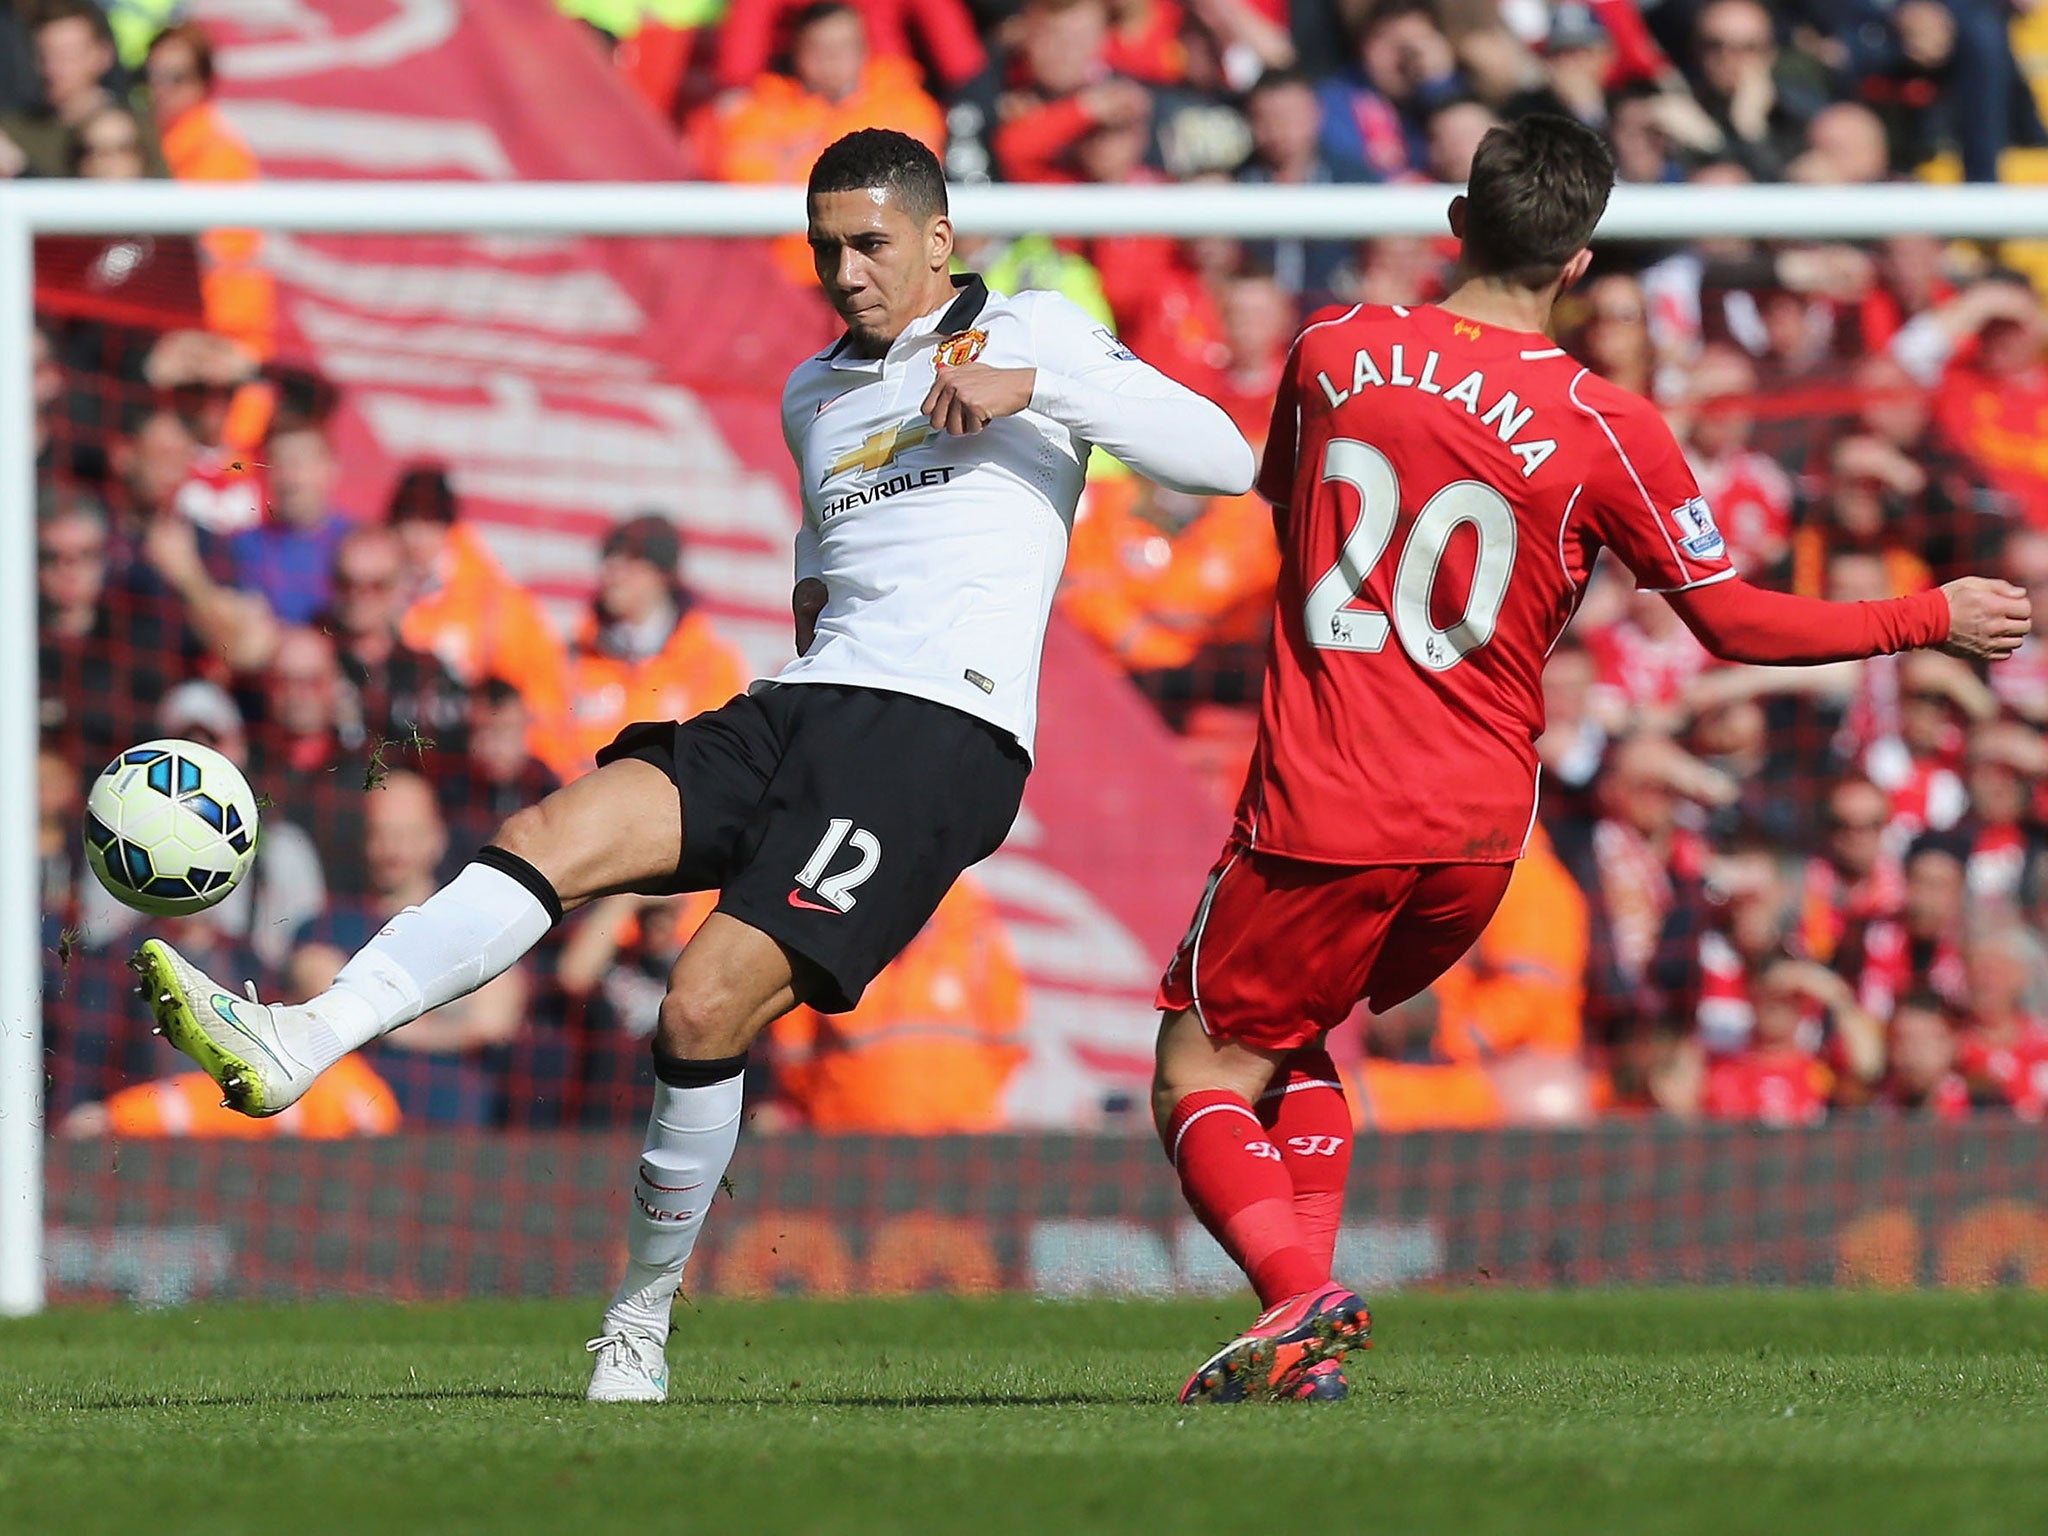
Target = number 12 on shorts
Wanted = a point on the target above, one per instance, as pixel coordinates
(837, 889)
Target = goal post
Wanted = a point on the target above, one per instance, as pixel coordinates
(29, 209)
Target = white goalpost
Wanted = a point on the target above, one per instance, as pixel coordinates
(28, 209)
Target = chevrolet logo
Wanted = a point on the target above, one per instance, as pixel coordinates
(1466, 328)
(881, 448)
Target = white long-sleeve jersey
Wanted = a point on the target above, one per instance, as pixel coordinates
(941, 554)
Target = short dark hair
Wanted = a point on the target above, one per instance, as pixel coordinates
(1923, 1001)
(1396, 10)
(1279, 79)
(495, 693)
(1537, 189)
(1948, 845)
(423, 494)
(882, 157)
(288, 423)
(819, 10)
(50, 12)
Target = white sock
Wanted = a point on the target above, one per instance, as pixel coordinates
(473, 928)
(690, 1137)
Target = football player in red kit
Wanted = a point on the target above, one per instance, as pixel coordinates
(1443, 477)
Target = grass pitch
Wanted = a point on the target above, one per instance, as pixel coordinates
(1678, 1412)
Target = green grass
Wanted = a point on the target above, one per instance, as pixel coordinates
(1708, 1412)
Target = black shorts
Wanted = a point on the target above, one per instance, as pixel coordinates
(833, 819)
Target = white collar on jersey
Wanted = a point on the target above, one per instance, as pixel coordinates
(970, 298)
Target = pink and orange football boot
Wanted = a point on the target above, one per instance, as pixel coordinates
(1275, 1357)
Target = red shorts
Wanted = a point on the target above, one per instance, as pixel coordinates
(1282, 949)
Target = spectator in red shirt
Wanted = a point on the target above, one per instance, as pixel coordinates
(1780, 1078)
(2004, 1052)
(1258, 326)
(1919, 950)
(1647, 662)
(2006, 765)
(1752, 931)
(1751, 496)
(1913, 716)
(1993, 404)
(1852, 881)
(1164, 295)
(1920, 1049)
(1061, 89)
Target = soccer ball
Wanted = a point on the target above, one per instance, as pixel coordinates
(170, 827)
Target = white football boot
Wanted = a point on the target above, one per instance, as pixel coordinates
(237, 1040)
(631, 1367)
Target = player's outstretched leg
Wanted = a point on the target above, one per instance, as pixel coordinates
(1237, 1182)
(727, 985)
(615, 829)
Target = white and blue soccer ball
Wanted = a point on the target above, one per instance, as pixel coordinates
(170, 827)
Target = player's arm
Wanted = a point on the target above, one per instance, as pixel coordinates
(1090, 383)
(807, 598)
(1645, 505)
(1975, 618)
(1283, 433)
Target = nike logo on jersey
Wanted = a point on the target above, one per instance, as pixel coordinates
(796, 899)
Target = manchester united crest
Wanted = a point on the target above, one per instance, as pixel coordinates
(962, 348)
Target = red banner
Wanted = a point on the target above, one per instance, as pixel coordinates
(569, 382)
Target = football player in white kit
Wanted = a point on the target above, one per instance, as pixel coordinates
(940, 446)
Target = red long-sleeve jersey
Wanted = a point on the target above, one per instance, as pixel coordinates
(1441, 489)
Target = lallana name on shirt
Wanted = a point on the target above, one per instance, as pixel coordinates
(1506, 414)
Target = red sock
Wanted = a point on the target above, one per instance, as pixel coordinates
(1236, 1181)
(1306, 1114)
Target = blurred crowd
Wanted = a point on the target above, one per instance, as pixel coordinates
(1753, 895)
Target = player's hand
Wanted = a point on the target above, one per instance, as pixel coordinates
(1987, 619)
(966, 398)
(805, 604)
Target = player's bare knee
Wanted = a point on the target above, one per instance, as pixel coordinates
(701, 1020)
(526, 833)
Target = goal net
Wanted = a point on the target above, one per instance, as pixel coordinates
(385, 537)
